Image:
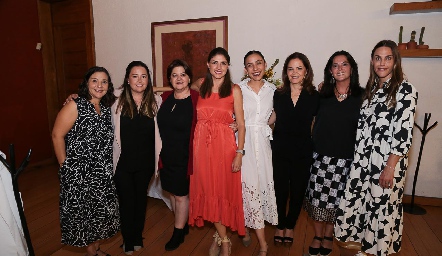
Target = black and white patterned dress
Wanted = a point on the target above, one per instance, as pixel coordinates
(367, 213)
(88, 202)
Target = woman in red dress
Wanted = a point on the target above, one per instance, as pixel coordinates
(215, 186)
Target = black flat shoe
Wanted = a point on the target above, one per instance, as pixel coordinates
(315, 251)
(326, 251)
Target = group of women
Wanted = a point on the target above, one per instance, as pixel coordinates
(352, 187)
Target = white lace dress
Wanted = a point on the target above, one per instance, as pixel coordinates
(258, 191)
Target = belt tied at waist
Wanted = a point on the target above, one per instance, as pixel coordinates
(268, 131)
(212, 129)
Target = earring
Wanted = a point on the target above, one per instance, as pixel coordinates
(332, 80)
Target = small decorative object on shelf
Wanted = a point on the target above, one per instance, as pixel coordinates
(412, 44)
(401, 45)
(421, 44)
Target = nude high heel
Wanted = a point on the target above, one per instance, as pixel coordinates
(226, 240)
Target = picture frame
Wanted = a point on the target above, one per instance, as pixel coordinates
(190, 40)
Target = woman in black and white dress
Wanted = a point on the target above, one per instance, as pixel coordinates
(370, 215)
(334, 136)
(82, 138)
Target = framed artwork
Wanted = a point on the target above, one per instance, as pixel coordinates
(190, 40)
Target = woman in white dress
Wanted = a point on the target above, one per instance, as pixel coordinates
(257, 172)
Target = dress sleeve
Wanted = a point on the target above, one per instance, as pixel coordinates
(403, 119)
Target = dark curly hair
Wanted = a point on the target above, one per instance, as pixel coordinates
(83, 90)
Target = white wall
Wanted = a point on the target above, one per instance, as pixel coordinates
(280, 27)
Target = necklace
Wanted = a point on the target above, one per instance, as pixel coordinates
(342, 96)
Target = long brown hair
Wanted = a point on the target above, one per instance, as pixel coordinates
(307, 83)
(226, 88)
(396, 79)
(126, 102)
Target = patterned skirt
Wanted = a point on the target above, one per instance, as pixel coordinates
(326, 186)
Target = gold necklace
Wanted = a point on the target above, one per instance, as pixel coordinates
(342, 96)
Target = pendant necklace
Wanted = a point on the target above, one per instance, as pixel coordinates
(342, 96)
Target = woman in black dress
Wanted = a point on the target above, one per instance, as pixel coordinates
(334, 136)
(82, 138)
(176, 122)
(134, 119)
(295, 106)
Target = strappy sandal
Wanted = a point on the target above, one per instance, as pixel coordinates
(215, 247)
(264, 251)
(226, 240)
(315, 251)
(288, 241)
(326, 251)
(278, 240)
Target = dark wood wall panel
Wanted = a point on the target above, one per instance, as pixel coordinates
(23, 109)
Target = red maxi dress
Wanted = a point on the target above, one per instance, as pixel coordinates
(215, 191)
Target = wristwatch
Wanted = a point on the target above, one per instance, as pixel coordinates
(241, 151)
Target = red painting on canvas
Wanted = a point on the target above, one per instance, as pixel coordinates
(191, 46)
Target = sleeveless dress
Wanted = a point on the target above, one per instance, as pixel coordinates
(88, 202)
(175, 124)
(257, 170)
(215, 191)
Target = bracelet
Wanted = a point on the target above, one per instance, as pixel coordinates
(389, 167)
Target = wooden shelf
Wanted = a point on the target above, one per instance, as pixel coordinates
(416, 7)
(421, 53)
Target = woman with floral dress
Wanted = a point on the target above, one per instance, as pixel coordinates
(370, 215)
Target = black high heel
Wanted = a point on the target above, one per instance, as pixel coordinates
(288, 241)
(315, 251)
(278, 240)
(326, 251)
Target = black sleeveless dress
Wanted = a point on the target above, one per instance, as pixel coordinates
(175, 122)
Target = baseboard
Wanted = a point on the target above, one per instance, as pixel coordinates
(421, 200)
(42, 163)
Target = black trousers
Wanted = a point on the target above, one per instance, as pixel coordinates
(132, 195)
(290, 175)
